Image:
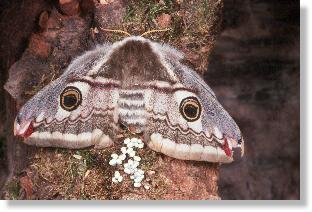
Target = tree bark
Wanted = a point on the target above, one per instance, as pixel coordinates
(65, 31)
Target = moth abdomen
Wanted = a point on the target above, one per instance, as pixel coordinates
(131, 109)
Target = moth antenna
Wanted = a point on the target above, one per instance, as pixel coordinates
(154, 30)
(116, 31)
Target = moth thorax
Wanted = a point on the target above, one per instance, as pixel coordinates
(132, 110)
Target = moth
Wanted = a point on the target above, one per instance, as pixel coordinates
(135, 84)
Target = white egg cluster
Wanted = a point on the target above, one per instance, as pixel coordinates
(117, 177)
(131, 167)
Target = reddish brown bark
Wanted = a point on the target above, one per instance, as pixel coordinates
(67, 30)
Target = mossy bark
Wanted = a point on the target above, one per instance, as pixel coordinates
(64, 31)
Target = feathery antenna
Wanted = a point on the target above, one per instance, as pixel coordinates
(153, 31)
(116, 30)
(128, 34)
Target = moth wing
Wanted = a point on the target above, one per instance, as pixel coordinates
(214, 137)
(91, 123)
(216, 121)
